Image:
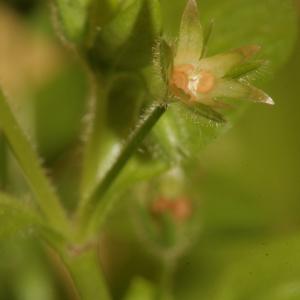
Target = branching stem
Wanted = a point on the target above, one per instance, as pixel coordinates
(96, 203)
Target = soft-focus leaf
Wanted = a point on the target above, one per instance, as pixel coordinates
(61, 99)
(73, 15)
(127, 41)
(124, 103)
(270, 272)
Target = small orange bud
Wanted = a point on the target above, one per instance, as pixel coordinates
(181, 209)
(160, 205)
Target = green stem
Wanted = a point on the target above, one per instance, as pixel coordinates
(129, 149)
(29, 162)
(96, 132)
(3, 163)
(86, 273)
(166, 280)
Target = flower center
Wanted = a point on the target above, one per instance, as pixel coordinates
(206, 82)
(186, 79)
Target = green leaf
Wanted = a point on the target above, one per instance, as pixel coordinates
(114, 117)
(127, 41)
(62, 97)
(125, 98)
(114, 34)
(73, 16)
(274, 29)
(271, 272)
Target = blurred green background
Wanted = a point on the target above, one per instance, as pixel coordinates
(248, 184)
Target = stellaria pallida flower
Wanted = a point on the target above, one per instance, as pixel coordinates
(198, 80)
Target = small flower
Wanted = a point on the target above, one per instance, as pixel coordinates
(179, 208)
(205, 80)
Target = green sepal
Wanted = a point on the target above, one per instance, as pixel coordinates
(221, 64)
(190, 39)
(246, 69)
(207, 33)
(166, 57)
(205, 111)
(234, 89)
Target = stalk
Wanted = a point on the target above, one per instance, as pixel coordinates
(86, 274)
(97, 203)
(29, 162)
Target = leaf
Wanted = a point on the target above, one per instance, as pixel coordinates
(73, 15)
(271, 272)
(124, 103)
(127, 41)
(115, 114)
(183, 136)
(62, 97)
(274, 29)
(114, 34)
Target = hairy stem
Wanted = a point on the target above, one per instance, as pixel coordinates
(3, 162)
(166, 280)
(85, 271)
(46, 198)
(94, 204)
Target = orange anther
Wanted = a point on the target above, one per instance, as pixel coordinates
(181, 209)
(160, 205)
(181, 77)
(206, 82)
